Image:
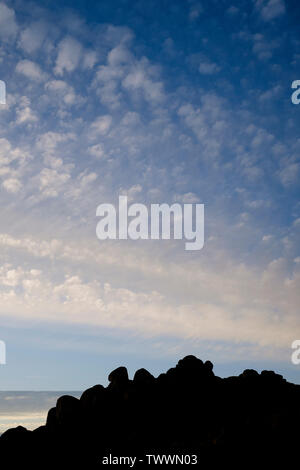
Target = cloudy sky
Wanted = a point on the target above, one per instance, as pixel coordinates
(162, 101)
(27, 408)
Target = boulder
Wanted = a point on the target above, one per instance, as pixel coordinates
(68, 411)
(143, 377)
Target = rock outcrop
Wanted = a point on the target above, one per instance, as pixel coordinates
(252, 418)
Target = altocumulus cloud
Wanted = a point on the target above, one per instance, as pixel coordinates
(93, 112)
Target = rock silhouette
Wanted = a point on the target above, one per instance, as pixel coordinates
(250, 418)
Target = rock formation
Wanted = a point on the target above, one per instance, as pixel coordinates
(252, 418)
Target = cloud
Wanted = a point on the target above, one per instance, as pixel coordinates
(12, 185)
(289, 175)
(270, 94)
(89, 59)
(297, 222)
(124, 72)
(24, 112)
(187, 198)
(52, 181)
(32, 37)
(10, 154)
(145, 131)
(97, 151)
(232, 10)
(63, 91)
(141, 77)
(208, 122)
(208, 68)
(267, 238)
(132, 192)
(270, 9)
(237, 308)
(195, 11)
(107, 83)
(80, 186)
(119, 55)
(101, 125)
(69, 55)
(48, 142)
(263, 47)
(258, 204)
(8, 25)
(30, 69)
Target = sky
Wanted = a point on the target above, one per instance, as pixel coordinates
(164, 102)
(28, 408)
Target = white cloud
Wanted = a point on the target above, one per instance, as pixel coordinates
(208, 68)
(24, 112)
(261, 137)
(101, 125)
(258, 203)
(10, 277)
(209, 123)
(140, 77)
(69, 55)
(89, 59)
(252, 172)
(267, 238)
(25, 115)
(226, 301)
(132, 192)
(32, 37)
(8, 25)
(187, 198)
(9, 154)
(52, 182)
(108, 89)
(119, 55)
(289, 175)
(270, 9)
(137, 151)
(31, 70)
(263, 47)
(48, 142)
(63, 91)
(270, 94)
(124, 72)
(12, 185)
(97, 151)
(131, 118)
(297, 222)
(83, 181)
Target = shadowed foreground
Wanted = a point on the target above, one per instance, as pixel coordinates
(252, 418)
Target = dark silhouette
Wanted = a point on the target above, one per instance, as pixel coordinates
(250, 419)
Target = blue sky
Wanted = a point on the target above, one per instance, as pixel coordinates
(161, 101)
